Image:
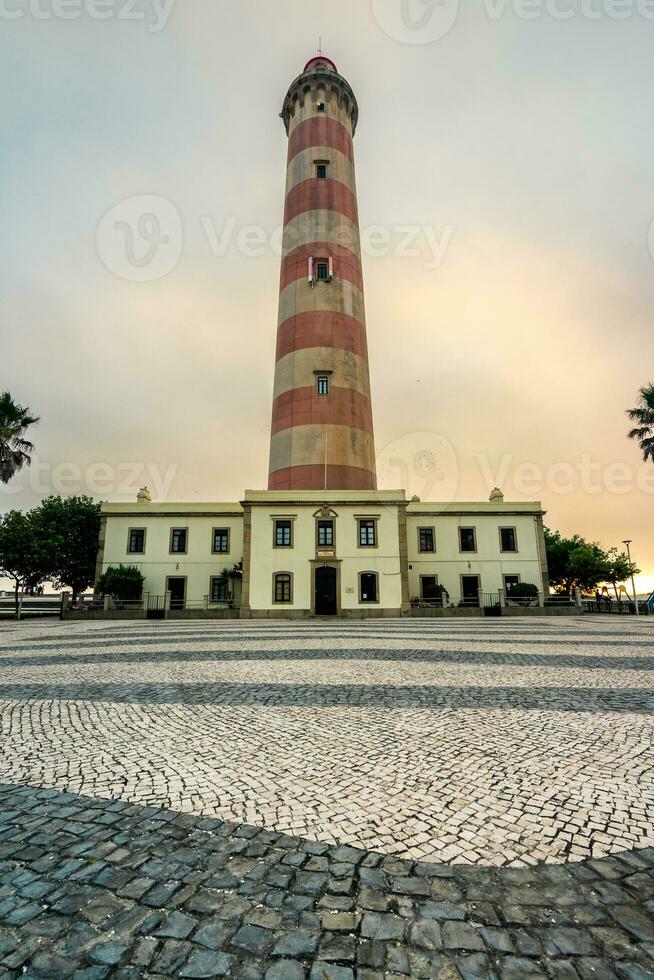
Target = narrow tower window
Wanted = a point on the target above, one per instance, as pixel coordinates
(321, 171)
(320, 107)
(323, 384)
(322, 271)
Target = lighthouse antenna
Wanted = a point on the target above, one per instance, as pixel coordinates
(320, 44)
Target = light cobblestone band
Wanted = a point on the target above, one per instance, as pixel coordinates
(318, 441)
(501, 745)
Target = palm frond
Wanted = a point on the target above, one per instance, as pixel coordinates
(14, 448)
(647, 446)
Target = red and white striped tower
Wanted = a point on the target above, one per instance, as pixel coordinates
(322, 431)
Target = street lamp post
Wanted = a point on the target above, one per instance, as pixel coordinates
(633, 580)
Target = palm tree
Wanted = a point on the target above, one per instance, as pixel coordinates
(644, 416)
(14, 448)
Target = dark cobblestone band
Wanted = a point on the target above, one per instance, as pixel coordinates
(92, 889)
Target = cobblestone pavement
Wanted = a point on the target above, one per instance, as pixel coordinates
(433, 799)
(93, 889)
(501, 743)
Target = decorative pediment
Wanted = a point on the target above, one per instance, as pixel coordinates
(325, 512)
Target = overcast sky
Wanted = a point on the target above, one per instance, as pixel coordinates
(504, 160)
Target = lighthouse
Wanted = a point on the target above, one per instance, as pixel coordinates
(322, 428)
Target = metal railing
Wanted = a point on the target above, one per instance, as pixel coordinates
(605, 605)
(94, 603)
(494, 601)
(483, 600)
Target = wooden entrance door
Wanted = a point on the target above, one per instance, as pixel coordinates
(326, 603)
(177, 589)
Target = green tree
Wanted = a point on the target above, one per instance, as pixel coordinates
(121, 582)
(643, 415)
(71, 527)
(559, 561)
(575, 563)
(15, 449)
(24, 552)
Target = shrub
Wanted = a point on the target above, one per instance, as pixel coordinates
(523, 590)
(124, 582)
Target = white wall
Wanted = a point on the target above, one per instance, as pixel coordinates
(199, 565)
(267, 560)
(489, 562)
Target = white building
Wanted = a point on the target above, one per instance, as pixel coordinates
(356, 553)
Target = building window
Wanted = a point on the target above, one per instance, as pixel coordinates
(429, 587)
(221, 541)
(178, 541)
(136, 541)
(320, 107)
(367, 534)
(325, 534)
(426, 539)
(283, 534)
(321, 171)
(283, 591)
(323, 384)
(508, 539)
(322, 271)
(219, 590)
(510, 582)
(467, 539)
(368, 587)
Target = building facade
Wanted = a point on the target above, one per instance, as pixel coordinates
(322, 540)
(325, 553)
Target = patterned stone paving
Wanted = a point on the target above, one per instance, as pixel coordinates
(495, 743)
(428, 799)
